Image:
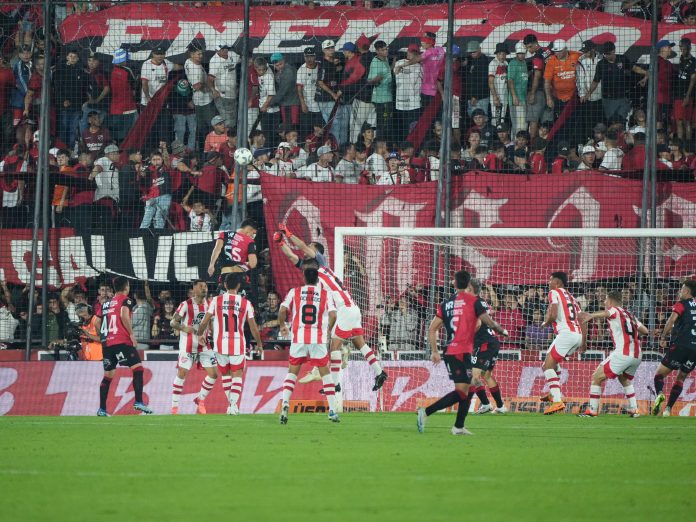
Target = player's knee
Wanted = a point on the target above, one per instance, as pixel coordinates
(181, 373)
(213, 374)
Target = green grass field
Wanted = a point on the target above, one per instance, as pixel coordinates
(369, 467)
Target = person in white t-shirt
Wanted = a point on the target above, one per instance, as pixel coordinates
(613, 157)
(497, 84)
(322, 170)
(202, 95)
(105, 175)
(306, 89)
(348, 170)
(408, 85)
(154, 73)
(200, 218)
(376, 162)
(270, 114)
(282, 165)
(222, 80)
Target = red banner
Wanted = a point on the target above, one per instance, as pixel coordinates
(139, 27)
(72, 388)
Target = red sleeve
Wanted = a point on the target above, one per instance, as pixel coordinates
(357, 72)
(538, 164)
(557, 166)
(678, 308)
(538, 63)
(221, 235)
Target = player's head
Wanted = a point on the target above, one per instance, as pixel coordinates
(310, 262)
(249, 227)
(475, 286)
(558, 280)
(121, 284)
(318, 247)
(614, 298)
(233, 281)
(462, 279)
(311, 276)
(200, 288)
(688, 290)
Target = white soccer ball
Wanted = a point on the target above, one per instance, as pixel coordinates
(243, 157)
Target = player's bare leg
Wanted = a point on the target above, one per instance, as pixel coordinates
(675, 392)
(550, 368)
(104, 392)
(288, 388)
(659, 381)
(598, 377)
(495, 392)
(369, 355)
(178, 388)
(235, 391)
(206, 387)
(139, 405)
(630, 393)
(226, 385)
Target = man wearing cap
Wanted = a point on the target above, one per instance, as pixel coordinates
(456, 90)
(222, 81)
(270, 112)
(407, 77)
(431, 59)
(321, 170)
(306, 85)
(589, 112)
(353, 84)
(154, 73)
(684, 90)
(97, 91)
(286, 92)
(397, 173)
(517, 80)
(587, 158)
(329, 94)
(559, 76)
(503, 134)
(497, 84)
(123, 110)
(202, 96)
(561, 164)
(70, 86)
(476, 88)
(537, 110)
(180, 104)
(613, 73)
(380, 76)
(281, 164)
(217, 136)
(105, 175)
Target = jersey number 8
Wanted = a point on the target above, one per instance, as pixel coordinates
(309, 314)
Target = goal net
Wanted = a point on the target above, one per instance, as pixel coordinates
(398, 275)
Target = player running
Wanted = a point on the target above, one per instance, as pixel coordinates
(486, 348)
(237, 248)
(312, 316)
(229, 313)
(193, 348)
(348, 318)
(119, 347)
(570, 336)
(681, 355)
(623, 362)
(460, 315)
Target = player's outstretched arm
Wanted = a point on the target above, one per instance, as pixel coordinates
(587, 317)
(204, 323)
(668, 329)
(252, 261)
(433, 330)
(286, 250)
(490, 323)
(309, 252)
(642, 329)
(214, 256)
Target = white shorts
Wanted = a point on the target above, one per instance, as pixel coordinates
(348, 323)
(233, 362)
(316, 354)
(206, 358)
(455, 112)
(618, 364)
(564, 345)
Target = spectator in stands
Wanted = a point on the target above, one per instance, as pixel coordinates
(257, 140)
(613, 157)
(329, 94)
(8, 321)
(270, 112)
(666, 77)
(635, 158)
(95, 138)
(270, 326)
(159, 195)
(321, 170)
(474, 142)
(560, 82)
(201, 219)
(510, 317)
(105, 175)
(286, 90)
(7, 82)
(217, 136)
(281, 164)
(123, 111)
(456, 90)
(684, 90)
(307, 76)
(536, 104)
(356, 90)
(142, 315)
(537, 162)
(222, 81)
(377, 161)
(637, 9)
(587, 159)
(680, 160)
(561, 164)
(32, 103)
(520, 161)
(536, 336)
(154, 73)
(403, 326)
(590, 111)
(202, 95)
(497, 84)
(22, 70)
(475, 67)
(518, 79)
(347, 170)
(58, 319)
(485, 129)
(97, 91)
(408, 76)
(161, 323)
(70, 87)
(380, 77)
(228, 149)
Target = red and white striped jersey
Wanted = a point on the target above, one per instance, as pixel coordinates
(623, 327)
(333, 284)
(192, 314)
(230, 313)
(568, 310)
(308, 308)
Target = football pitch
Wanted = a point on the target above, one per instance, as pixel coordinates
(368, 467)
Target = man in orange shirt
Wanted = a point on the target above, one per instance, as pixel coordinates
(559, 78)
(217, 136)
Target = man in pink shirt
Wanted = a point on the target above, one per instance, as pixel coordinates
(431, 60)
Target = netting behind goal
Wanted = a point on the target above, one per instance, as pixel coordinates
(397, 276)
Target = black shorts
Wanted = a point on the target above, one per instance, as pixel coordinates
(486, 355)
(681, 358)
(122, 354)
(459, 367)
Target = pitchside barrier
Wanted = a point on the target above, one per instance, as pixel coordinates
(72, 388)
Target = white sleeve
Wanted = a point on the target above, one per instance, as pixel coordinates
(190, 71)
(250, 309)
(211, 306)
(288, 299)
(144, 71)
(181, 310)
(492, 68)
(553, 297)
(330, 303)
(215, 66)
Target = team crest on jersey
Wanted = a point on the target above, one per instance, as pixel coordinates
(199, 318)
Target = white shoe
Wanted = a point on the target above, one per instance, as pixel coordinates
(667, 412)
(284, 413)
(485, 408)
(333, 416)
(501, 410)
(311, 376)
(421, 419)
(233, 410)
(460, 431)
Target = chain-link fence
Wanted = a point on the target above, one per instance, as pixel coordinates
(124, 154)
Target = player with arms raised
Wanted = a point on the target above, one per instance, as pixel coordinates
(348, 317)
(623, 362)
(460, 315)
(570, 336)
(237, 248)
(681, 355)
(119, 347)
(229, 313)
(312, 316)
(193, 348)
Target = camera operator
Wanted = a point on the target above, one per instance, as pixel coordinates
(89, 333)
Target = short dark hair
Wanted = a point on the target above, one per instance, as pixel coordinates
(561, 276)
(318, 247)
(196, 281)
(360, 147)
(616, 296)
(475, 285)
(233, 280)
(309, 262)
(250, 223)
(311, 276)
(691, 285)
(119, 283)
(461, 279)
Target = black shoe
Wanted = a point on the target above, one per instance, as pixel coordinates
(380, 380)
(338, 388)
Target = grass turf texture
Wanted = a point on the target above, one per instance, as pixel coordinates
(369, 467)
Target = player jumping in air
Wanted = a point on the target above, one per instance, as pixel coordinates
(348, 318)
(312, 316)
(570, 336)
(460, 315)
(229, 313)
(623, 362)
(193, 348)
(681, 355)
(119, 347)
(235, 251)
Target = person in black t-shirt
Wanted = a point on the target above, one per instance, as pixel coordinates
(475, 79)
(159, 196)
(329, 93)
(684, 90)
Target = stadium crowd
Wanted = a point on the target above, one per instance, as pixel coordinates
(362, 114)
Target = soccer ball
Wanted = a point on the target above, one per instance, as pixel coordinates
(243, 157)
